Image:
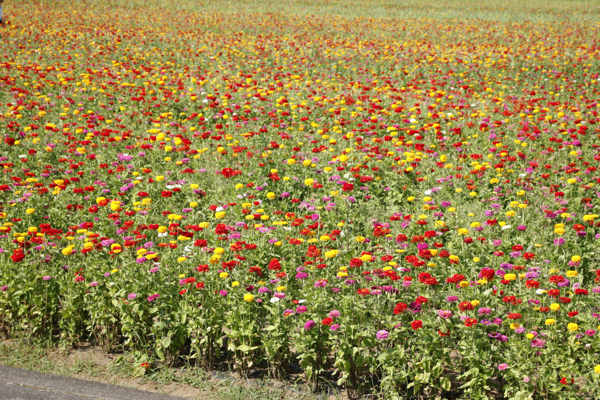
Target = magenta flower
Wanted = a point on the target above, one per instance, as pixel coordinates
(153, 297)
(309, 325)
(301, 309)
(502, 366)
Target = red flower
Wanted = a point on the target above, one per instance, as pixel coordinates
(469, 322)
(313, 251)
(327, 321)
(200, 243)
(514, 316)
(274, 265)
(531, 284)
(544, 309)
(553, 292)
(565, 300)
(465, 305)
(421, 300)
(18, 255)
(572, 314)
(418, 324)
(202, 268)
(400, 308)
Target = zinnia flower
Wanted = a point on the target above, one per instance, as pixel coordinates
(309, 325)
(381, 335)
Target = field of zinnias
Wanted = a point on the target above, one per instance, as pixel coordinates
(398, 205)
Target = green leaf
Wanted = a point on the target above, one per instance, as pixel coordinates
(166, 342)
(244, 348)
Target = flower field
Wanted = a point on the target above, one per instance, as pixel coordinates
(397, 205)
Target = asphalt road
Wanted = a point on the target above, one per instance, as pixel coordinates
(20, 384)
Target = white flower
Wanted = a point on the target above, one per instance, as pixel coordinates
(274, 300)
(219, 209)
(540, 291)
(505, 227)
(412, 121)
(302, 301)
(428, 192)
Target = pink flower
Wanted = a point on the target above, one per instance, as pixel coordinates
(309, 325)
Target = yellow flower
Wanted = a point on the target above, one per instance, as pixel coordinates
(464, 284)
(308, 182)
(248, 297)
(271, 195)
(572, 327)
(281, 288)
(555, 307)
(366, 257)
(30, 211)
(576, 259)
(220, 215)
(597, 369)
(475, 303)
(510, 277)
(234, 284)
(514, 326)
(571, 274)
(530, 336)
(223, 275)
(550, 321)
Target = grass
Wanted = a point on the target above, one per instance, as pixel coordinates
(506, 11)
(187, 382)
